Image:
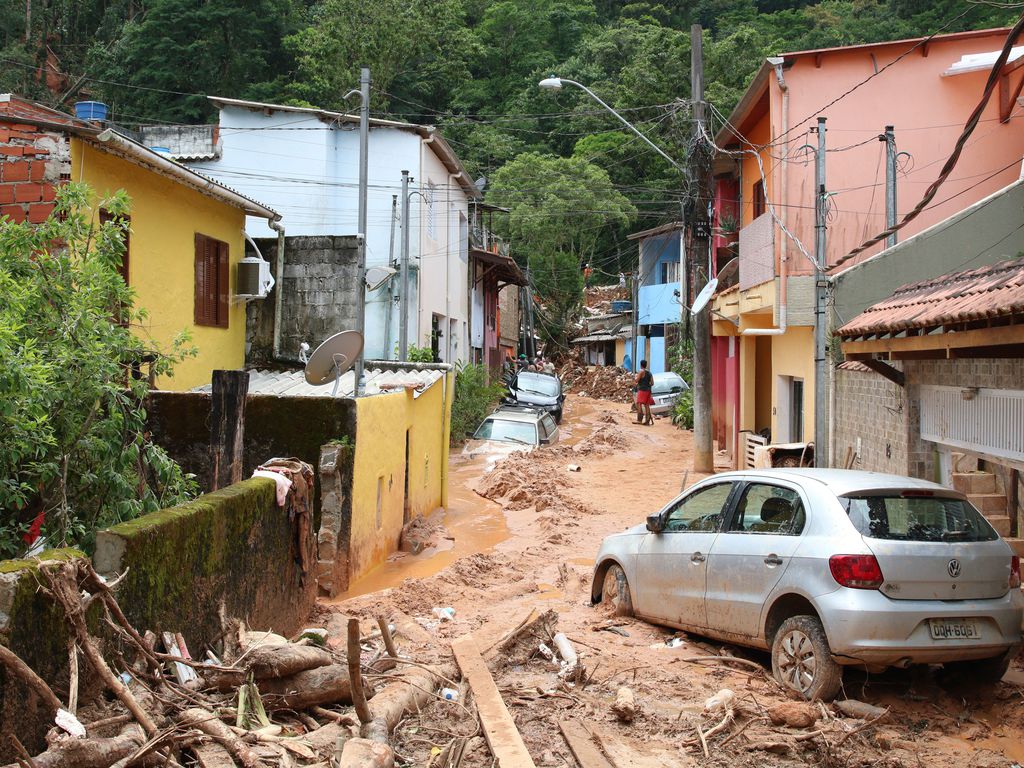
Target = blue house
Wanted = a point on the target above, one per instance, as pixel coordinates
(659, 304)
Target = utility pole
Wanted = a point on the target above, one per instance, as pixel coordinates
(820, 308)
(703, 456)
(890, 183)
(391, 293)
(364, 159)
(635, 284)
(531, 336)
(403, 318)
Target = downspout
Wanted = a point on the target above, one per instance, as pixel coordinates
(279, 292)
(777, 61)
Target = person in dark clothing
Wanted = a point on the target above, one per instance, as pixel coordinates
(644, 399)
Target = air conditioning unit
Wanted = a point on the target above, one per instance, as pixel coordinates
(254, 278)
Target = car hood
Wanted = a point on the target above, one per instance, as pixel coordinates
(534, 398)
(493, 450)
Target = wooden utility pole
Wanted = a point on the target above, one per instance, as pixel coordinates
(227, 426)
(700, 226)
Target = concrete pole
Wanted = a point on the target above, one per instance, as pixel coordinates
(820, 309)
(635, 282)
(703, 455)
(890, 184)
(403, 322)
(364, 159)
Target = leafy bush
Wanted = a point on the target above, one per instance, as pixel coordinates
(417, 354)
(474, 399)
(74, 455)
(682, 412)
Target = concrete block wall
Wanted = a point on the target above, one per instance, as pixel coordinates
(876, 411)
(319, 295)
(32, 163)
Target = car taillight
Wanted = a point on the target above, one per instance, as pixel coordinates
(1014, 572)
(856, 571)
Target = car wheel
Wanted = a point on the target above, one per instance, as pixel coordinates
(615, 593)
(802, 660)
(985, 671)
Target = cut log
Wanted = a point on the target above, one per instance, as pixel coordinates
(213, 756)
(90, 753)
(410, 691)
(284, 660)
(858, 709)
(210, 724)
(363, 753)
(625, 705)
(323, 685)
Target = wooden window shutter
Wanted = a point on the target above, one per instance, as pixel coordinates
(206, 275)
(223, 283)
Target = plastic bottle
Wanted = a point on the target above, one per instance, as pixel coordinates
(449, 694)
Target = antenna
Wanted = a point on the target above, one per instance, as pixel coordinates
(332, 358)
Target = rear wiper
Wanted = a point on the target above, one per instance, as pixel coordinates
(951, 535)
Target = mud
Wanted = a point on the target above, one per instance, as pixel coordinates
(552, 522)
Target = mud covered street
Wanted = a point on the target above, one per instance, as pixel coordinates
(521, 559)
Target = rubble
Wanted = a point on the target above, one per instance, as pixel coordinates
(604, 382)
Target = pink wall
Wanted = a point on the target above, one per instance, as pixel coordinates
(928, 112)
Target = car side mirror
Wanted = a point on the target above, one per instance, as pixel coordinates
(654, 523)
(545, 441)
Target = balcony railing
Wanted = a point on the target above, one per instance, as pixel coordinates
(482, 239)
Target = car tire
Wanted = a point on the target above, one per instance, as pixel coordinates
(802, 660)
(615, 593)
(983, 671)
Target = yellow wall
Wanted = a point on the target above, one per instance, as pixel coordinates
(793, 355)
(165, 216)
(379, 468)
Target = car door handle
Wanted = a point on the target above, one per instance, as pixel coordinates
(773, 560)
(697, 557)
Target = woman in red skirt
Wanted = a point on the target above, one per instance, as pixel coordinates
(644, 399)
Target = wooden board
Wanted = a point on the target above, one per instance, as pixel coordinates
(499, 729)
(581, 744)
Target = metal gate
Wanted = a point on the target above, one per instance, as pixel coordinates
(988, 421)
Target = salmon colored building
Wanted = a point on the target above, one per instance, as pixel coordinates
(762, 346)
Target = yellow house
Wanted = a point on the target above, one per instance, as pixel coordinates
(186, 239)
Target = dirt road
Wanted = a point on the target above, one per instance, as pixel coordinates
(529, 549)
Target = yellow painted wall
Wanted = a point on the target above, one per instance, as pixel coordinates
(763, 412)
(793, 355)
(379, 468)
(165, 216)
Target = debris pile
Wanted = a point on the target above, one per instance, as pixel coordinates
(257, 699)
(598, 299)
(604, 382)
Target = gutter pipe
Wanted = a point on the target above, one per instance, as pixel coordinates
(777, 62)
(278, 288)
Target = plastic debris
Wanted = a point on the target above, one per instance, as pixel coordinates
(69, 723)
(444, 614)
(449, 694)
(721, 700)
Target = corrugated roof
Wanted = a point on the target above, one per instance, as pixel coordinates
(984, 294)
(625, 333)
(294, 384)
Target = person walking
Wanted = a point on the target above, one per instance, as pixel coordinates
(644, 399)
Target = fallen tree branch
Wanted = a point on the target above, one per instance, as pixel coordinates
(869, 724)
(210, 724)
(355, 673)
(89, 753)
(23, 672)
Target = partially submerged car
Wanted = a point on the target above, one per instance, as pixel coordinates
(825, 568)
(666, 389)
(541, 390)
(512, 428)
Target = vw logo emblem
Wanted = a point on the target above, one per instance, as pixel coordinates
(953, 568)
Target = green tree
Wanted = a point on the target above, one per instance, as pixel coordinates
(73, 439)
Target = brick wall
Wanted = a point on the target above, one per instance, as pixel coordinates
(876, 411)
(319, 297)
(33, 162)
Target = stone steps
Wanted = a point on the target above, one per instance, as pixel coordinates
(1017, 545)
(970, 483)
(989, 503)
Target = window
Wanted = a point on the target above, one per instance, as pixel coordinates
(106, 217)
(769, 509)
(758, 198)
(917, 516)
(211, 304)
(700, 511)
(669, 272)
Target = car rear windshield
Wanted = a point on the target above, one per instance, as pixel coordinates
(910, 516)
(667, 385)
(513, 431)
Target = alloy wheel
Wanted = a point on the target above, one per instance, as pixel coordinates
(797, 662)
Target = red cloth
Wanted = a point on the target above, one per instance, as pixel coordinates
(644, 397)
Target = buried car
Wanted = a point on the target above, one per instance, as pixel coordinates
(512, 428)
(666, 389)
(541, 390)
(824, 568)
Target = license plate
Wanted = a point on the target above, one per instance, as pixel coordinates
(954, 629)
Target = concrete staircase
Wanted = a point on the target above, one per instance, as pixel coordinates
(984, 492)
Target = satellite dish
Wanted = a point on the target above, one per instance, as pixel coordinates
(704, 296)
(333, 358)
(377, 276)
(480, 183)
(728, 269)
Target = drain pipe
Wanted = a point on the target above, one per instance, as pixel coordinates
(279, 292)
(777, 61)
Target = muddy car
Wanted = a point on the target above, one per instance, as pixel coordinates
(666, 389)
(511, 428)
(824, 568)
(540, 390)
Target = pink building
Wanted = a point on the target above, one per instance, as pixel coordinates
(925, 89)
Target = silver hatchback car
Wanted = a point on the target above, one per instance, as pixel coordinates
(824, 568)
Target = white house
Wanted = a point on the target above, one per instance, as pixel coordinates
(305, 164)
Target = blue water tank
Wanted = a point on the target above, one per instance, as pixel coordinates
(91, 110)
(621, 305)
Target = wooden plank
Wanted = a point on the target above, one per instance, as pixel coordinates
(227, 426)
(977, 337)
(581, 744)
(212, 756)
(499, 729)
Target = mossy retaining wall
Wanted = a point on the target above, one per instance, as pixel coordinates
(233, 551)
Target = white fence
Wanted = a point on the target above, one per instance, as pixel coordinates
(984, 420)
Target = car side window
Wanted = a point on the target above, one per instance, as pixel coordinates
(700, 511)
(769, 509)
(542, 428)
(549, 425)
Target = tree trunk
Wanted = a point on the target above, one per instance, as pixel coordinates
(324, 685)
(89, 753)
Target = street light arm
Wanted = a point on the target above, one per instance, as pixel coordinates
(625, 122)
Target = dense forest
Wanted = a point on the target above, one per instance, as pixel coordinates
(575, 181)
